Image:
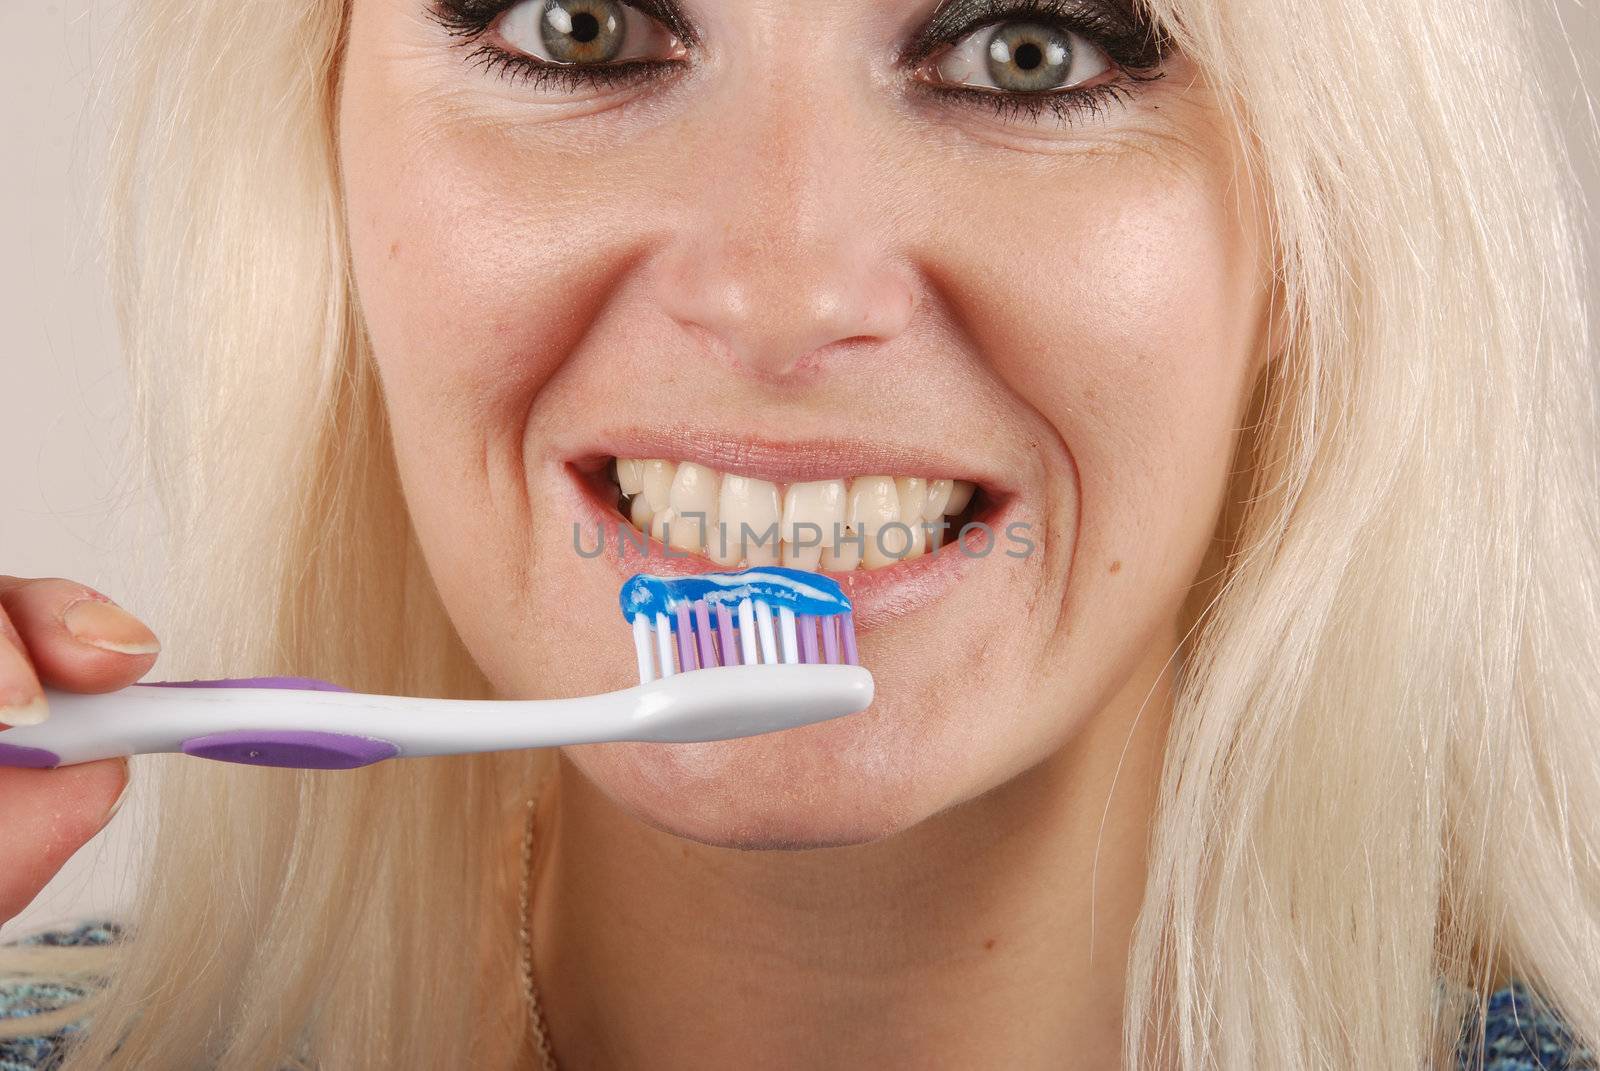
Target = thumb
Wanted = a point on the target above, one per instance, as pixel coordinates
(46, 816)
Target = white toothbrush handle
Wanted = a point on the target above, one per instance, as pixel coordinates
(315, 729)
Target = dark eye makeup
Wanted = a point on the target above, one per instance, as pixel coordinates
(1134, 48)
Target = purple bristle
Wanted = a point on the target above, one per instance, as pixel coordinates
(847, 628)
(806, 625)
(686, 658)
(702, 631)
(830, 640)
(725, 636)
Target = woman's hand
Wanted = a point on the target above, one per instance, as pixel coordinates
(61, 633)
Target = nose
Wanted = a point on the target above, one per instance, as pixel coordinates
(782, 255)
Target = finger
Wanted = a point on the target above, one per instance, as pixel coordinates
(45, 817)
(78, 639)
(21, 699)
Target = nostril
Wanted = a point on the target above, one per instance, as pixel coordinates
(768, 315)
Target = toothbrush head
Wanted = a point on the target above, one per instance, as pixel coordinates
(762, 616)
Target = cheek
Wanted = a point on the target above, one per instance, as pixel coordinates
(1123, 306)
(478, 272)
(478, 267)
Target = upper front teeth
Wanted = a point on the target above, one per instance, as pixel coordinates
(836, 525)
(749, 509)
(821, 503)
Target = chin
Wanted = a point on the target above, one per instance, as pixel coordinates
(827, 785)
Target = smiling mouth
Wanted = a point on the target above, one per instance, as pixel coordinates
(842, 525)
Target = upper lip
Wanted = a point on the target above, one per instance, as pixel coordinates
(781, 460)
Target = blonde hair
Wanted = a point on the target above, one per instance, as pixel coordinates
(1381, 782)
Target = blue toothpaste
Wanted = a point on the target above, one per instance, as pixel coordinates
(800, 591)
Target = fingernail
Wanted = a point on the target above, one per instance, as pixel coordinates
(24, 713)
(19, 706)
(123, 795)
(109, 627)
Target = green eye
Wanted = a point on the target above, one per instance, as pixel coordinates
(566, 32)
(1022, 57)
(583, 31)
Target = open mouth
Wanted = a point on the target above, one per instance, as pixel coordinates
(689, 500)
(837, 526)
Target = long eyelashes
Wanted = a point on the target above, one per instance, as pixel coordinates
(1134, 50)
(469, 18)
(1111, 25)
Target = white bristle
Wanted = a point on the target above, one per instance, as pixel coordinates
(791, 639)
(747, 633)
(664, 644)
(641, 648)
(769, 642)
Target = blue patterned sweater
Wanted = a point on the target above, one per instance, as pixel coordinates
(1518, 1036)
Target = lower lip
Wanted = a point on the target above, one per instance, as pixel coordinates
(878, 596)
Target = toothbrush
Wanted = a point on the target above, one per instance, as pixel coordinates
(720, 655)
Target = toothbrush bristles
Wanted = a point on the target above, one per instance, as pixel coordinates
(700, 636)
(664, 644)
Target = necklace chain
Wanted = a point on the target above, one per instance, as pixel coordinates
(530, 988)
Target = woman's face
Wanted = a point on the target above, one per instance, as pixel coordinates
(783, 254)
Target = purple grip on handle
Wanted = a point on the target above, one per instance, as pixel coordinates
(36, 758)
(297, 748)
(300, 749)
